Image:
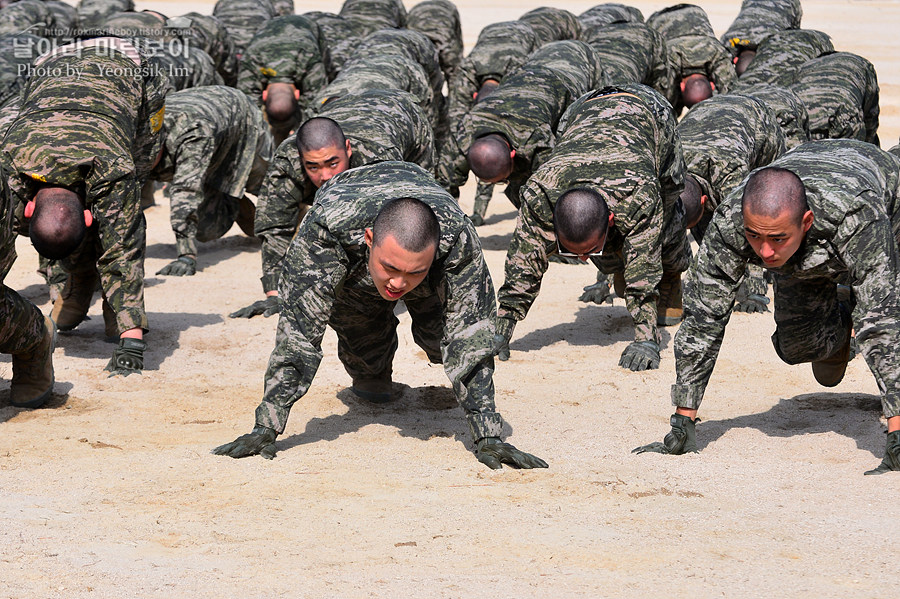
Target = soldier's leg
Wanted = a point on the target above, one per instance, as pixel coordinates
(483, 195)
(28, 336)
(676, 257)
(427, 316)
(215, 215)
(75, 279)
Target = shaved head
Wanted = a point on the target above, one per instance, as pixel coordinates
(486, 89)
(581, 215)
(489, 158)
(696, 89)
(281, 105)
(410, 222)
(772, 191)
(691, 201)
(318, 133)
(57, 225)
(744, 60)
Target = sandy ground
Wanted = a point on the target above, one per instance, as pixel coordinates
(111, 490)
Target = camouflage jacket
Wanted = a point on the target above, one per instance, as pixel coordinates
(65, 18)
(380, 125)
(609, 13)
(372, 15)
(283, 8)
(840, 91)
(16, 54)
(704, 55)
(213, 135)
(94, 13)
(30, 15)
(525, 108)
(632, 52)
(759, 18)
(85, 126)
(242, 19)
(209, 34)
(621, 142)
(852, 189)
(681, 20)
(338, 38)
(329, 257)
(780, 54)
(789, 109)
(439, 21)
(552, 24)
(285, 50)
(191, 67)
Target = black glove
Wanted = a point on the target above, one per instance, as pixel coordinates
(640, 355)
(598, 293)
(266, 307)
(680, 440)
(891, 459)
(477, 220)
(753, 303)
(184, 266)
(128, 357)
(500, 347)
(260, 441)
(492, 452)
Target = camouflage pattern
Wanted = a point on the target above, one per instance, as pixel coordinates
(852, 190)
(439, 21)
(65, 18)
(779, 55)
(620, 142)
(552, 24)
(895, 150)
(326, 280)
(285, 50)
(632, 52)
(209, 34)
(214, 137)
(501, 49)
(242, 19)
(699, 54)
(134, 24)
(372, 15)
(16, 54)
(93, 14)
(759, 18)
(27, 14)
(338, 38)
(190, 67)
(681, 20)
(609, 13)
(788, 107)
(92, 119)
(525, 108)
(840, 91)
(283, 8)
(379, 124)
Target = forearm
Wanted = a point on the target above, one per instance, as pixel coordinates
(184, 220)
(274, 247)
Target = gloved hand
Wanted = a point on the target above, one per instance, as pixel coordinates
(640, 355)
(266, 307)
(184, 266)
(598, 293)
(505, 328)
(128, 357)
(891, 459)
(477, 219)
(260, 441)
(680, 440)
(753, 303)
(492, 452)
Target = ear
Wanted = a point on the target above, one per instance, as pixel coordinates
(807, 221)
(348, 148)
(296, 94)
(512, 153)
(682, 86)
(703, 201)
(610, 219)
(712, 84)
(474, 95)
(29, 209)
(88, 219)
(265, 94)
(368, 236)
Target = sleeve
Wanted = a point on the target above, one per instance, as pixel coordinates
(461, 87)
(470, 310)
(314, 80)
(191, 159)
(315, 267)
(721, 70)
(251, 81)
(453, 167)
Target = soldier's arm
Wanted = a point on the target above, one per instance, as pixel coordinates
(314, 80)
(721, 70)
(191, 160)
(251, 81)
(315, 266)
(453, 167)
(461, 88)
(526, 262)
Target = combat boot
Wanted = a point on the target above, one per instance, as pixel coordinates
(375, 390)
(668, 305)
(619, 284)
(32, 380)
(111, 326)
(72, 305)
(830, 371)
(246, 216)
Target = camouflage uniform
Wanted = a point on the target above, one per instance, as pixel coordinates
(789, 109)
(242, 19)
(525, 109)
(16, 54)
(209, 34)
(380, 125)
(216, 139)
(552, 24)
(134, 24)
(27, 14)
(65, 18)
(632, 53)
(620, 142)
(338, 38)
(439, 21)
(93, 14)
(779, 55)
(372, 15)
(840, 91)
(283, 8)
(609, 13)
(852, 189)
(103, 132)
(190, 67)
(759, 18)
(285, 50)
(326, 280)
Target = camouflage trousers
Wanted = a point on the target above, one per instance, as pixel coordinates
(21, 323)
(810, 324)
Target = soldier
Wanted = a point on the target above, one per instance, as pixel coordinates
(632, 52)
(189, 67)
(609, 13)
(135, 24)
(217, 147)
(242, 19)
(17, 51)
(822, 216)
(74, 160)
(780, 54)
(419, 246)
(619, 161)
(65, 19)
(756, 20)
(552, 24)
(699, 63)
(507, 135)
(283, 8)
(439, 21)
(209, 34)
(840, 91)
(28, 15)
(353, 131)
(282, 70)
(789, 109)
(92, 14)
(372, 15)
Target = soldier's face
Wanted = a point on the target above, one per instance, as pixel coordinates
(323, 164)
(775, 240)
(396, 271)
